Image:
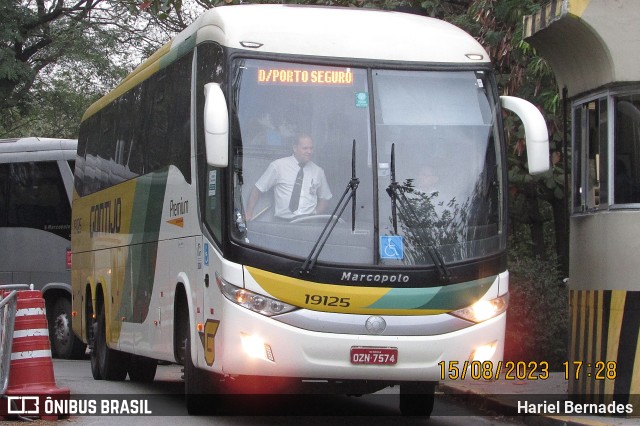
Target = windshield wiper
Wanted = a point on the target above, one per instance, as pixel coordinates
(398, 199)
(393, 189)
(348, 194)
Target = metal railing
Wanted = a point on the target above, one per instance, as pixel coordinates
(7, 321)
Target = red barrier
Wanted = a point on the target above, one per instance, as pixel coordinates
(31, 373)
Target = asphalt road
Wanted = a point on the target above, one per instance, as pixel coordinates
(164, 398)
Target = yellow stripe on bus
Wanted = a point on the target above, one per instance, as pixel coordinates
(339, 298)
(144, 71)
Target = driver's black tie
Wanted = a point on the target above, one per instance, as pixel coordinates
(297, 188)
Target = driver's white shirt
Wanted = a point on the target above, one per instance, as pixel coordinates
(281, 176)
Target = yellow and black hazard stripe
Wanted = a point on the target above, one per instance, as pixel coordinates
(605, 325)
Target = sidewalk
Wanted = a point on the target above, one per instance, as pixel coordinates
(504, 396)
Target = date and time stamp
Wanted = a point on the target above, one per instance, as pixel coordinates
(525, 370)
(539, 371)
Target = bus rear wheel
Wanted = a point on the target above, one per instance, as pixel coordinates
(95, 368)
(417, 398)
(110, 363)
(64, 342)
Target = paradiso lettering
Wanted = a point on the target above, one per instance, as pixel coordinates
(293, 76)
(106, 217)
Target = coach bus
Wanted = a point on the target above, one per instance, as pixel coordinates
(36, 177)
(404, 274)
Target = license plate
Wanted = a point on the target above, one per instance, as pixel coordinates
(374, 356)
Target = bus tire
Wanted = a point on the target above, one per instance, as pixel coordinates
(417, 398)
(142, 369)
(65, 343)
(95, 368)
(112, 364)
(199, 386)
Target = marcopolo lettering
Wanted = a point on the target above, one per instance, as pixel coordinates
(106, 217)
(374, 278)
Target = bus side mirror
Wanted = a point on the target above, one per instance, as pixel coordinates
(536, 132)
(216, 126)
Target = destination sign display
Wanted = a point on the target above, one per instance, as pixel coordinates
(299, 76)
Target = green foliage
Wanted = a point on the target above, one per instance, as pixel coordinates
(538, 314)
(430, 224)
(497, 24)
(56, 57)
(55, 113)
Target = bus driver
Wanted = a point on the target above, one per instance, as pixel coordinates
(299, 185)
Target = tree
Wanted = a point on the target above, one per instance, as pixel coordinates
(536, 202)
(57, 56)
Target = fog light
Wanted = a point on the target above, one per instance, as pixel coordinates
(484, 352)
(255, 347)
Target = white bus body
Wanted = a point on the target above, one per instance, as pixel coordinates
(164, 255)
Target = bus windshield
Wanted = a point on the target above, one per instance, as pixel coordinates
(425, 158)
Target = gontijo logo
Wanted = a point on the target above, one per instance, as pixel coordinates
(106, 217)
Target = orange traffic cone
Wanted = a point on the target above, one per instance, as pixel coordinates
(31, 378)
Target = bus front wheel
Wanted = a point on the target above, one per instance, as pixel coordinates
(200, 387)
(142, 369)
(417, 398)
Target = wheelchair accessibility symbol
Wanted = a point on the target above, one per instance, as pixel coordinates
(391, 247)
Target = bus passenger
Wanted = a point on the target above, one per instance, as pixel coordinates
(299, 185)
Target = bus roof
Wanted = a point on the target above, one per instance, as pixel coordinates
(335, 32)
(315, 31)
(37, 149)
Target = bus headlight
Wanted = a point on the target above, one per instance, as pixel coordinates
(253, 301)
(483, 310)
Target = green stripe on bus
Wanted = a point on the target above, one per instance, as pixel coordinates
(147, 207)
(143, 250)
(448, 298)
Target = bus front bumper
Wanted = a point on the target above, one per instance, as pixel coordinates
(249, 344)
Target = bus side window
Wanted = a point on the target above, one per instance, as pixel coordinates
(4, 187)
(37, 198)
